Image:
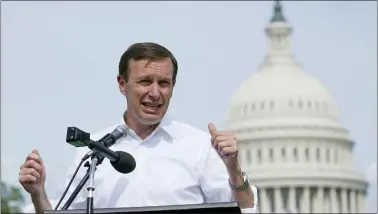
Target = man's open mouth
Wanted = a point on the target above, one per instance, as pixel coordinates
(151, 106)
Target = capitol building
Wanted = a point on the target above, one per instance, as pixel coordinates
(291, 140)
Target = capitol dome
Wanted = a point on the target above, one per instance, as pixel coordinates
(291, 140)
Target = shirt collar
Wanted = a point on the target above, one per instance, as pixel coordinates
(166, 125)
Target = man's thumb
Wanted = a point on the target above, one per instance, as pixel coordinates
(212, 129)
(37, 153)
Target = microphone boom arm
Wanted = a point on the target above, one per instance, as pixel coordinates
(101, 148)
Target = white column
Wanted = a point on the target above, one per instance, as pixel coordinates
(362, 202)
(344, 201)
(359, 202)
(265, 207)
(292, 202)
(278, 200)
(327, 204)
(352, 201)
(333, 201)
(305, 205)
(319, 205)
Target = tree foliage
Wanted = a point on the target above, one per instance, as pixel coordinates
(11, 199)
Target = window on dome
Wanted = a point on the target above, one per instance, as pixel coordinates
(318, 154)
(253, 106)
(307, 154)
(283, 153)
(262, 105)
(295, 154)
(316, 105)
(309, 104)
(259, 156)
(300, 104)
(336, 156)
(271, 157)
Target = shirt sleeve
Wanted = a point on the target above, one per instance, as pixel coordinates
(80, 200)
(214, 181)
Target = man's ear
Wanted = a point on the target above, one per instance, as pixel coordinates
(121, 84)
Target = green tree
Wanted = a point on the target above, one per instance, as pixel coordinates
(11, 199)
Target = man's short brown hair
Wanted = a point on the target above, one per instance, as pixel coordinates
(145, 50)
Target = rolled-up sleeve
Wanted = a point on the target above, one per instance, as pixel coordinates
(214, 181)
(254, 209)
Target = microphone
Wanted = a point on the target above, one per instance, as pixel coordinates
(123, 162)
(110, 139)
(79, 138)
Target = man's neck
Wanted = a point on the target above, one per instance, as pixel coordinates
(143, 131)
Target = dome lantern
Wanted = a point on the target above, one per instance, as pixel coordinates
(279, 39)
(278, 16)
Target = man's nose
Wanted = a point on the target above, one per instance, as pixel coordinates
(154, 91)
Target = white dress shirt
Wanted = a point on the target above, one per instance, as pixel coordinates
(175, 165)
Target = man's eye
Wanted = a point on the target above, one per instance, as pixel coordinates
(144, 82)
(165, 83)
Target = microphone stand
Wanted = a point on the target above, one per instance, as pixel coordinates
(82, 182)
(92, 169)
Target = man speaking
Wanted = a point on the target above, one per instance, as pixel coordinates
(176, 164)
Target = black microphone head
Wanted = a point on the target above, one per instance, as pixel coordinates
(125, 164)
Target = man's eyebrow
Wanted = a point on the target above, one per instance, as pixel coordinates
(166, 78)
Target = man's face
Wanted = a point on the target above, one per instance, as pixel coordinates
(148, 89)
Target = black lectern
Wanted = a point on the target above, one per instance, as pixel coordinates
(219, 208)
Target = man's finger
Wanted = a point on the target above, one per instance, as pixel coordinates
(37, 153)
(30, 171)
(222, 138)
(32, 164)
(223, 133)
(27, 179)
(228, 151)
(34, 156)
(212, 129)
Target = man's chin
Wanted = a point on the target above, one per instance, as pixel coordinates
(151, 119)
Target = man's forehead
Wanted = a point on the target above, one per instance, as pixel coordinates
(164, 65)
(151, 62)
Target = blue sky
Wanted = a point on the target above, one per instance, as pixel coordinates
(59, 67)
